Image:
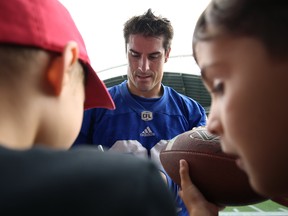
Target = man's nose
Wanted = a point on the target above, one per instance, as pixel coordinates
(144, 64)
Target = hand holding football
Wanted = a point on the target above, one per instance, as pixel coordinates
(214, 173)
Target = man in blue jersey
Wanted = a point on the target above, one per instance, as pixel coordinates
(148, 114)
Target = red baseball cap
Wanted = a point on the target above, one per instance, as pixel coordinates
(47, 24)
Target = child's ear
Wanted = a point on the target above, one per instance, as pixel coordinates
(58, 71)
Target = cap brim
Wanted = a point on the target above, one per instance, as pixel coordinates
(96, 93)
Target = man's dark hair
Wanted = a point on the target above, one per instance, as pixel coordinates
(149, 25)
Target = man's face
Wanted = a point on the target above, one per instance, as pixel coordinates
(249, 107)
(146, 58)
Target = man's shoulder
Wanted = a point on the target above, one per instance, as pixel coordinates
(116, 88)
(171, 92)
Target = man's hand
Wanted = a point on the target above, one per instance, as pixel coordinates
(194, 201)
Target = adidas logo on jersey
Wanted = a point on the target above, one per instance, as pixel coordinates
(147, 132)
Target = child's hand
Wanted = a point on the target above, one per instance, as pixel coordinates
(195, 202)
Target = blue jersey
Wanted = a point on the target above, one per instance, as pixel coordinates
(142, 126)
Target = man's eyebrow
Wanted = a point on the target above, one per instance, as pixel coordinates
(153, 53)
(131, 50)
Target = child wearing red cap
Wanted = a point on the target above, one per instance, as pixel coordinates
(45, 81)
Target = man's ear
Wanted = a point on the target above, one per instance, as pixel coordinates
(58, 71)
(167, 53)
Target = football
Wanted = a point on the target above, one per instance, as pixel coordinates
(214, 173)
